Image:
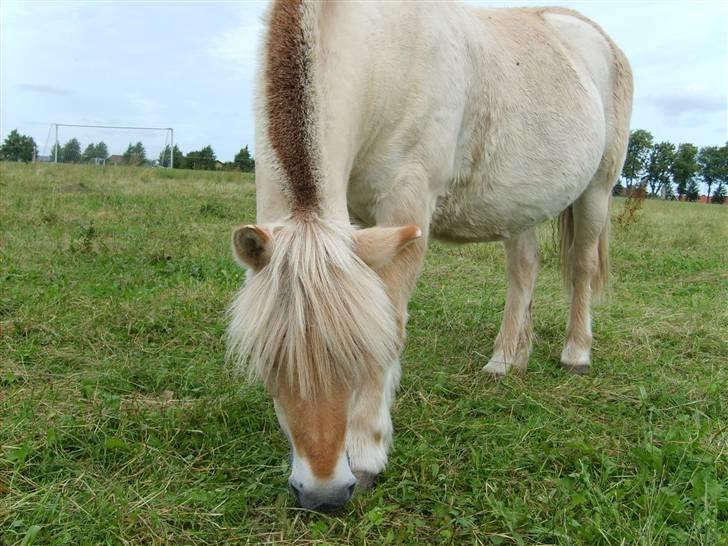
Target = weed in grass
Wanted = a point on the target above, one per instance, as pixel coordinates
(85, 235)
(48, 217)
(213, 209)
(630, 212)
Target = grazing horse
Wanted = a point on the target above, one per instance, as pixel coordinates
(419, 120)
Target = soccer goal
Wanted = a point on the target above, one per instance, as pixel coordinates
(109, 144)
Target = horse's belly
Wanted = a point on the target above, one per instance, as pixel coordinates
(534, 178)
(483, 212)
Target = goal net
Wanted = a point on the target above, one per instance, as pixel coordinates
(108, 145)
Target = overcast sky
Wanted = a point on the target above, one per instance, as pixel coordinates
(190, 65)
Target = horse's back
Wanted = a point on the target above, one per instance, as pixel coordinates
(505, 114)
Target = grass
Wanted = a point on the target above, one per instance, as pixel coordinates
(120, 423)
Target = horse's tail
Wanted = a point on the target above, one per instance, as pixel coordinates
(566, 241)
(600, 280)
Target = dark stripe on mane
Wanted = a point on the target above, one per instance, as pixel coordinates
(288, 79)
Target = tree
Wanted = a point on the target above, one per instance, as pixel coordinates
(638, 154)
(72, 151)
(659, 168)
(102, 151)
(89, 154)
(18, 147)
(201, 160)
(719, 194)
(721, 172)
(685, 167)
(245, 161)
(692, 192)
(57, 149)
(164, 157)
(193, 161)
(135, 154)
(140, 153)
(709, 160)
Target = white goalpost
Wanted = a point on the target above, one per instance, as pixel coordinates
(168, 131)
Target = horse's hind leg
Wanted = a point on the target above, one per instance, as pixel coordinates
(513, 344)
(586, 268)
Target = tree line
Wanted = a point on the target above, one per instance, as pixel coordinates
(672, 172)
(205, 159)
(70, 152)
(660, 168)
(17, 147)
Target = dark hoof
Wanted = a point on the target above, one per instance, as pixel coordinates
(579, 369)
(365, 480)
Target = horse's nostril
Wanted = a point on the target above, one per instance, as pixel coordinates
(350, 490)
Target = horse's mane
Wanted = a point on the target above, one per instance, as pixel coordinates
(315, 316)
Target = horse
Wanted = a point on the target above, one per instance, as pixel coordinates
(413, 121)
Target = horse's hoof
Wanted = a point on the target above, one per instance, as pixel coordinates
(577, 369)
(365, 480)
(495, 369)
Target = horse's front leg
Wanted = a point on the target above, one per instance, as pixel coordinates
(513, 344)
(369, 434)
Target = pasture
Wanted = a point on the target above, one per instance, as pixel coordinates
(121, 424)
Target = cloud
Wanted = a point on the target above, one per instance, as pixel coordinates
(688, 101)
(236, 46)
(142, 106)
(44, 89)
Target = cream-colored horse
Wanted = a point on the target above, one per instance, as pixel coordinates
(423, 120)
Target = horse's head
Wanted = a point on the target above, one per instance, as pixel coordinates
(315, 325)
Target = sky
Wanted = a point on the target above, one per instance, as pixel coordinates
(190, 65)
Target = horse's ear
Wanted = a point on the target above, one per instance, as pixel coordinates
(252, 246)
(378, 246)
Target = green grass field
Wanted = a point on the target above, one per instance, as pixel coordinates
(121, 424)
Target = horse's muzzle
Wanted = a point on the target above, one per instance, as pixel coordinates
(327, 500)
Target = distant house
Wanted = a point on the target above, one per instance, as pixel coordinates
(706, 199)
(44, 158)
(115, 159)
(702, 199)
(219, 165)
